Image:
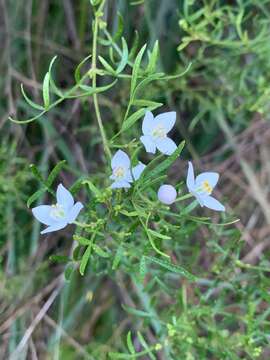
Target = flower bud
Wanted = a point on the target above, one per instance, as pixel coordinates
(167, 194)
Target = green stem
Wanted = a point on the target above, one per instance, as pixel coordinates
(94, 79)
(184, 197)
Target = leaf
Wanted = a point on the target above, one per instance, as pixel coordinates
(165, 164)
(69, 271)
(146, 103)
(60, 258)
(117, 257)
(134, 46)
(144, 344)
(171, 267)
(159, 235)
(132, 119)
(124, 59)
(85, 259)
(136, 68)
(77, 73)
(82, 240)
(120, 27)
(153, 59)
(76, 255)
(92, 187)
(55, 171)
(46, 91)
(106, 65)
(130, 344)
(37, 174)
(142, 268)
(35, 196)
(100, 252)
(89, 90)
(136, 312)
(30, 102)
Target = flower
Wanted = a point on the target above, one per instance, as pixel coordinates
(61, 214)
(155, 132)
(202, 188)
(122, 174)
(167, 194)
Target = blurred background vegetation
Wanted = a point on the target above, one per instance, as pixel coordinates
(222, 104)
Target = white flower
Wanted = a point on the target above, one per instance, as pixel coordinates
(202, 188)
(122, 174)
(61, 214)
(155, 132)
(167, 194)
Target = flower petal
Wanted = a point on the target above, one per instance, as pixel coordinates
(137, 170)
(120, 158)
(190, 177)
(128, 176)
(120, 184)
(148, 143)
(74, 212)
(42, 214)
(54, 227)
(148, 123)
(211, 177)
(167, 120)
(212, 203)
(64, 197)
(166, 146)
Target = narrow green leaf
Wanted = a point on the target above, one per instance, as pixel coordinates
(158, 235)
(124, 58)
(30, 102)
(85, 259)
(131, 120)
(135, 45)
(92, 187)
(117, 257)
(55, 171)
(60, 258)
(136, 312)
(69, 271)
(100, 252)
(143, 268)
(37, 174)
(106, 65)
(146, 103)
(153, 59)
(46, 91)
(165, 164)
(35, 196)
(130, 344)
(77, 73)
(120, 27)
(136, 68)
(171, 267)
(82, 240)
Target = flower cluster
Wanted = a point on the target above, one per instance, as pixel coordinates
(155, 131)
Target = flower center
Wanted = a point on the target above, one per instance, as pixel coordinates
(207, 187)
(159, 132)
(119, 172)
(57, 212)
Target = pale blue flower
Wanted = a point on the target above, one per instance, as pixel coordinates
(155, 132)
(122, 174)
(61, 214)
(167, 194)
(202, 187)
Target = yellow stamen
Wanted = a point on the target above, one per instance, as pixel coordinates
(207, 187)
(159, 132)
(119, 172)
